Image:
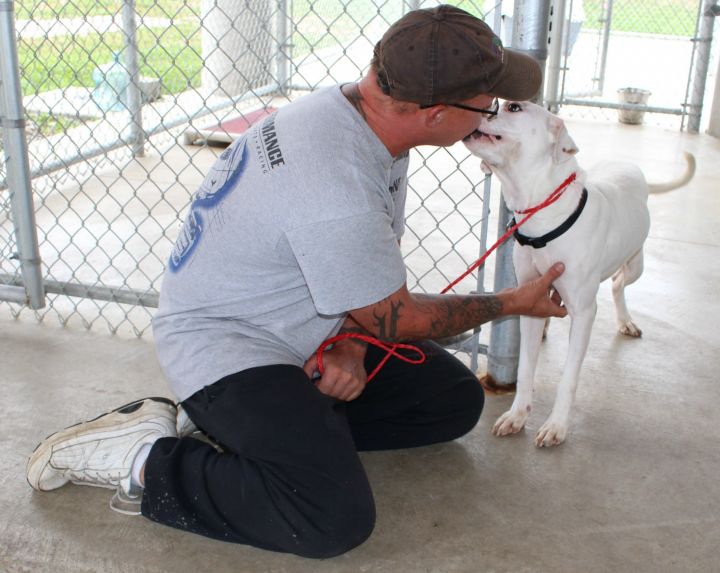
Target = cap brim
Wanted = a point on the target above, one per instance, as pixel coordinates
(521, 78)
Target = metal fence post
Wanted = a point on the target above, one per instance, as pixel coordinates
(284, 46)
(410, 5)
(477, 348)
(133, 91)
(530, 31)
(530, 25)
(555, 62)
(504, 347)
(714, 126)
(18, 168)
(703, 43)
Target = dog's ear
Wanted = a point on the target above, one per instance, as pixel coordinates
(563, 145)
(485, 168)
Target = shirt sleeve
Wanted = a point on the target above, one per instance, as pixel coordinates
(350, 262)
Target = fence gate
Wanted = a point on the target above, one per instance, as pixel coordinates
(634, 56)
(16, 206)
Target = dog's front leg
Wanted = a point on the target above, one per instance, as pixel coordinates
(512, 421)
(554, 430)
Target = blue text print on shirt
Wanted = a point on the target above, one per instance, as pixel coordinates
(222, 179)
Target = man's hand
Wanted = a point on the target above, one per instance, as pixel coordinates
(536, 298)
(344, 377)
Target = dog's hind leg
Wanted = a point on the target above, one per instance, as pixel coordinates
(554, 430)
(624, 276)
(514, 419)
(546, 327)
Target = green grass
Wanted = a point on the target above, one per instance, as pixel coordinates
(50, 9)
(666, 17)
(171, 54)
(174, 54)
(48, 124)
(45, 125)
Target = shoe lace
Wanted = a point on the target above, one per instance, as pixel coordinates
(106, 478)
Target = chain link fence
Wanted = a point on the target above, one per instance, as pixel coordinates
(127, 104)
(617, 50)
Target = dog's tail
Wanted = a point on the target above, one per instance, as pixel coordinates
(683, 180)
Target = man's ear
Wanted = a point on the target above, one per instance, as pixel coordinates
(435, 114)
(485, 168)
(563, 145)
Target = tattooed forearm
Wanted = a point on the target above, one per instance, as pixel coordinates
(404, 316)
(387, 323)
(435, 316)
(449, 315)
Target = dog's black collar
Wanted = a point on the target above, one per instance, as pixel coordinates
(540, 242)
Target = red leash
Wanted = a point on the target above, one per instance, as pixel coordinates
(554, 196)
(392, 349)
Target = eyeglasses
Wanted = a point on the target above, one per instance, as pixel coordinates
(492, 110)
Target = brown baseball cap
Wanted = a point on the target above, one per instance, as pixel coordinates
(446, 55)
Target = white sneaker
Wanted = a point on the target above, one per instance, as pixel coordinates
(100, 452)
(184, 425)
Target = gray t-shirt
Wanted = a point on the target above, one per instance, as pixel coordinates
(296, 224)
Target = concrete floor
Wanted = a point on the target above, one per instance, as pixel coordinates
(634, 489)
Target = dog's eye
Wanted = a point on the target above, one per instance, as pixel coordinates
(514, 107)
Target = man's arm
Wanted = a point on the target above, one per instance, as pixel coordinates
(404, 316)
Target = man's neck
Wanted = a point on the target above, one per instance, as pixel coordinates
(395, 129)
(352, 94)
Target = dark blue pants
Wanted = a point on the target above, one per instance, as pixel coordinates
(288, 477)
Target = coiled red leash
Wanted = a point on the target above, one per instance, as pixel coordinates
(392, 349)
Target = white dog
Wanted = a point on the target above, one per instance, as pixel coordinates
(597, 228)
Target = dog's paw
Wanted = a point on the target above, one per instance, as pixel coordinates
(629, 328)
(511, 422)
(550, 434)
